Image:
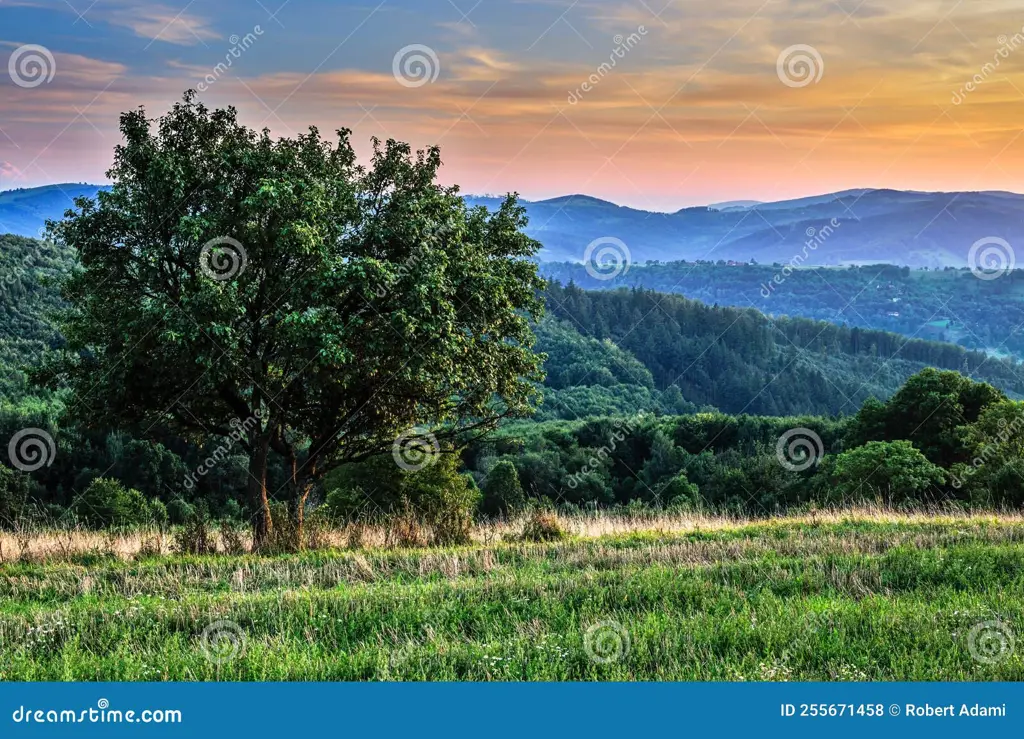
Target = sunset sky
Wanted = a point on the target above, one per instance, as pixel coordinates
(694, 111)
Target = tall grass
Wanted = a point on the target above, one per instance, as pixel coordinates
(831, 595)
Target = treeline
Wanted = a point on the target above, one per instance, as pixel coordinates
(741, 361)
(948, 305)
(940, 438)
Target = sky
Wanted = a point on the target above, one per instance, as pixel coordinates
(653, 104)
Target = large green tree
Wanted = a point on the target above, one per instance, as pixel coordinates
(277, 293)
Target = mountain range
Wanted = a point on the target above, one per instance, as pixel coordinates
(916, 229)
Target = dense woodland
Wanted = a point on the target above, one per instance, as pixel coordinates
(949, 305)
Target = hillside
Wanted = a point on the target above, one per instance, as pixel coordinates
(918, 229)
(615, 352)
(940, 305)
(24, 212)
(740, 361)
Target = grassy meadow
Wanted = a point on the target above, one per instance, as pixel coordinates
(864, 595)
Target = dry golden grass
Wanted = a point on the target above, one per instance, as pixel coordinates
(40, 545)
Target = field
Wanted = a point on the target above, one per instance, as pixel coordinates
(864, 595)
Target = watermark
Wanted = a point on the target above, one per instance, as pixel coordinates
(990, 258)
(101, 714)
(415, 65)
(606, 642)
(606, 258)
(223, 258)
(1007, 45)
(799, 449)
(414, 451)
(623, 44)
(815, 238)
(799, 65)
(990, 642)
(31, 449)
(988, 451)
(432, 240)
(238, 46)
(31, 65)
(239, 429)
(623, 427)
(223, 642)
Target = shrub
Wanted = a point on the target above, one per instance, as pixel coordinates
(284, 531)
(106, 503)
(179, 511)
(14, 493)
(502, 493)
(231, 537)
(894, 472)
(194, 536)
(232, 510)
(543, 525)
(445, 499)
(158, 513)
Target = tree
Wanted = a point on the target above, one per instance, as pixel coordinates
(15, 489)
(928, 410)
(275, 293)
(891, 471)
(502, 492)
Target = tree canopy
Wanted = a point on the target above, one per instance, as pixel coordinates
(231, 282)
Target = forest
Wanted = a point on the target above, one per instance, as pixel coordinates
(947, 305)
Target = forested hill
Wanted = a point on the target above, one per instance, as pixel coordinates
(940, 305)
(610, 352)
(27, 296)
(741, 361)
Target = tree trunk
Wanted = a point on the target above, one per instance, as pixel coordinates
(261, 522)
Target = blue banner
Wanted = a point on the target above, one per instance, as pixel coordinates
(511, 709)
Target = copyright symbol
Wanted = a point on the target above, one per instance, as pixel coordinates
(894, 710)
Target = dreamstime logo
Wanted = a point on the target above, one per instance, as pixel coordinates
(622, 45)
(415, 65)
(239, 431)
(31, 65)
(606, 258)
(593, 463)
(1007, 45)
(606, 642)
(413, 451)
(990, 642)
(800, 65)
(223, 258)
(238, 45)
(799, 449)
(990, 258)
(31, 449)
(815, 238)
(990, 450)
(223, 641)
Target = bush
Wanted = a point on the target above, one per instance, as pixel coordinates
(106, 503)
(158, 513)
(892, 472)
(231, 537)
(445, 499)
(543, 525)
(502, 493)
(232, 510)
(194, 536)
(15, 487)
(180, 511)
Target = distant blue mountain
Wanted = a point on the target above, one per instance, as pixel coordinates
(919, 229)
(25, 212)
